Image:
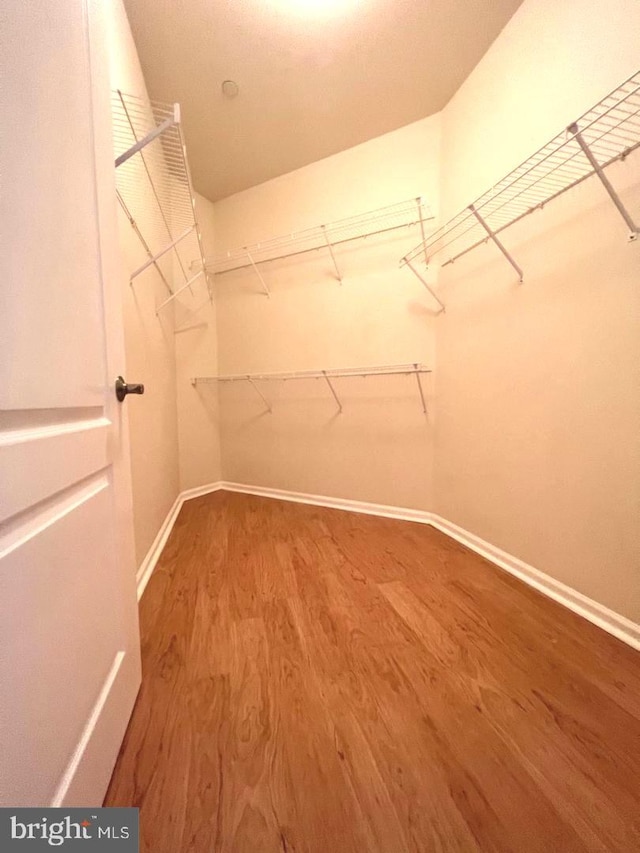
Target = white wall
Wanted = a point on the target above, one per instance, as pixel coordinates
(531, 441)
(538, 402)
(380, 447)
(152, 341)
(149, 341)
(536, 410)
(552, 62)
(197, 355)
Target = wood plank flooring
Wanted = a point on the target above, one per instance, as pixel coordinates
(317, 680)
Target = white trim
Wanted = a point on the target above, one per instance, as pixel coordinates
(383, 510)
(619, 626)
(152, 556)
(622, 628)
(73, 769)
(147, 566)
(188, 494)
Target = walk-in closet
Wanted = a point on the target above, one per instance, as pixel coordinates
(320, 425)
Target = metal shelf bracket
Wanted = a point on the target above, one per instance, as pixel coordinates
(421, 279)
(260, 394)
(154, 258)
(606, 183)
(259, 274)
(421, 218)
(179, 291)
(142, 143)
(420, 388)
(333, 391)
(140, 237)
(333, 257)
(497, 241)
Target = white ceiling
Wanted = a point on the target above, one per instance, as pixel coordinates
(315, 76)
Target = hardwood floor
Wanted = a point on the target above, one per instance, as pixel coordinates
(317, 680)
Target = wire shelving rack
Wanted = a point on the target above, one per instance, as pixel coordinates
(154, 189)
(606, 133)
(414, 369)
(413, 213)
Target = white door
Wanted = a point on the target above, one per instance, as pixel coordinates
(69, 644)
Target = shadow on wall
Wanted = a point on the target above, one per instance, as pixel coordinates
(306, 444)
(304, 402)
(190, 318)
(208, 395)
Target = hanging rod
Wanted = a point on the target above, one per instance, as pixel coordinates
(154, 185)
(605, 134)
(414, 369)
(404, 214)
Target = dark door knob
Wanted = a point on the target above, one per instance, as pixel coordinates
(123, 388)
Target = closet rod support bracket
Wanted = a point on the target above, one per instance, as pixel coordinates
(178, 292)
(142, 143)
(420, 388)
(333, 391)
(333, 257)
(606, 183)
(140, 236)
(260, 276)
(421, 279)
(260, 394)
(422, 234)
(492, 236)
(154, 259)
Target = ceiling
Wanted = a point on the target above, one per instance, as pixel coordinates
(315, 76)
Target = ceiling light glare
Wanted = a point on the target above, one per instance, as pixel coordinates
(318, 8)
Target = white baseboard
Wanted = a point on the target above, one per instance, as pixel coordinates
(383, 510)
(619, 626)
(201, 490)
(145, 570)
(147, 566)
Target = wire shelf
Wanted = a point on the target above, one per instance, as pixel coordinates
(405, 214)
(415, 369)
(380, 370)
(607, 132)
(153, 186)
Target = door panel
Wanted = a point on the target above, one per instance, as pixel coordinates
(52, 346)
(63, 454)
(57, 606)
(69, 645)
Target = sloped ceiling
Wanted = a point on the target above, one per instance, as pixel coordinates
(315, 76)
